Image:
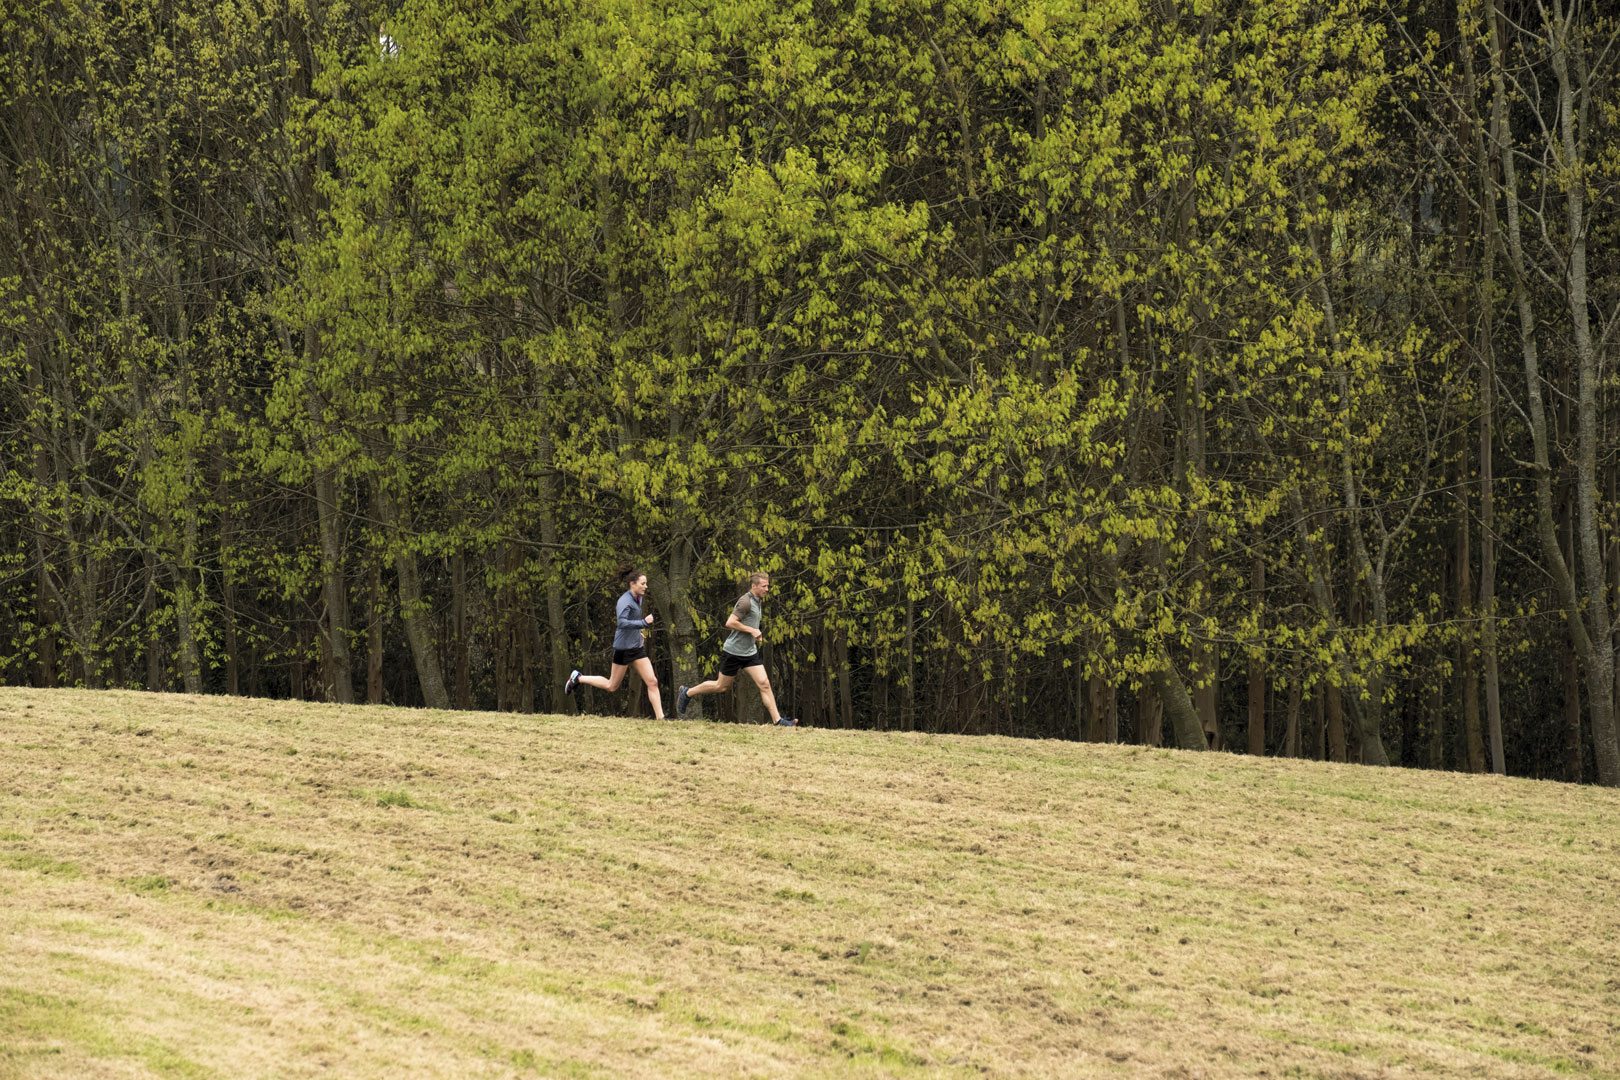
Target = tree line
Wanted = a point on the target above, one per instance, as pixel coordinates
(1198, 372)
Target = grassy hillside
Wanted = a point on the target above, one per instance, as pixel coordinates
(226, 887)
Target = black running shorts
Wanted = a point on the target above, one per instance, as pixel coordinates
(731, 663)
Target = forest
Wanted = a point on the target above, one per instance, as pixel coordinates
(1230, 374)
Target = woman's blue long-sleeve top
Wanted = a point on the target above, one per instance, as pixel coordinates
(631, 622)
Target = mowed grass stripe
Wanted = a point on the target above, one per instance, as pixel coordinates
(226, 887)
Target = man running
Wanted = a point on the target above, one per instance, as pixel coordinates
(741, 653)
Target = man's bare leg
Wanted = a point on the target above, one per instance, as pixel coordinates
(713, 686)
(766, 697)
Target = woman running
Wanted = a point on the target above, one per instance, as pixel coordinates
(629, 646)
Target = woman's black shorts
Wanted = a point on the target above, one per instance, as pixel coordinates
(626, 657)
(731, 664)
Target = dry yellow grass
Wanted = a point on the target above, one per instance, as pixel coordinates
(227, 887)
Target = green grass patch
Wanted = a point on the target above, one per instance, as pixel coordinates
(396, 797)
(36, 863)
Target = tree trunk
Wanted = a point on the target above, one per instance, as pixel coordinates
(528, 647)
(882, 695)
(1094, 709)
(827, 663)
(1574, 746)
(1485, 349)
(374, 638)
(1149, 716)
(1597, 658)
(334, 591)
(556, 614)
(1368, 712)
(46, 667)
(846, 692)
(41, 437)
(156, 681)
(1291, 737)
(683, 624)
(1257, 674)
(1436, 726)
(227, 580)
(186, 600)
(1079, 690)
(460, 649)
(1110, 705)
(1600, 669)
(908, 687)
(1207, 692)
(1467, 680)
(1487, 581)
(1185, 723)
(1319, 726)
(414, 614)
(1337, 747)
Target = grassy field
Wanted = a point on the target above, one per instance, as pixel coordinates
(224, 887)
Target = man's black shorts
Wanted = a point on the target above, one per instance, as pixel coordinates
(626, 657)
(731, 663)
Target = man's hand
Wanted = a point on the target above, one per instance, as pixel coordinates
(649, 620)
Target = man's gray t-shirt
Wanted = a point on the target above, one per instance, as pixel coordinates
(747, 611)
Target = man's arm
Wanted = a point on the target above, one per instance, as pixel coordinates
(734, 620)
(734, 623)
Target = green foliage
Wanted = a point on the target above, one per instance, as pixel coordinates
(1019, 341)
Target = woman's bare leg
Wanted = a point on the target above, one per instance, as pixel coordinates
(609, 684)
(649, 678)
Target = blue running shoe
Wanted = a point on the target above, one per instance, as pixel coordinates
(573, 681)
(680, 701)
